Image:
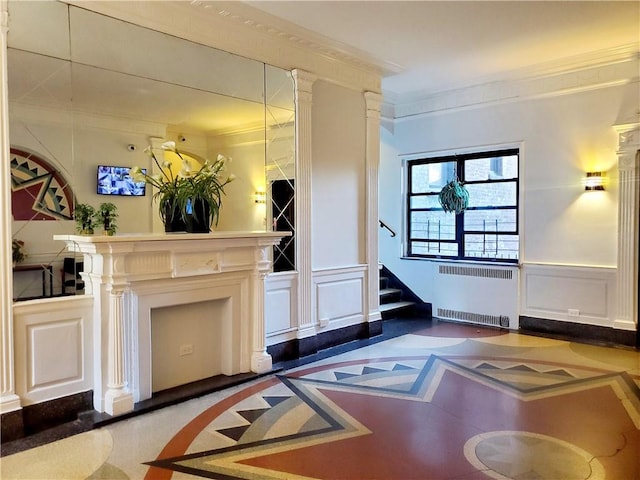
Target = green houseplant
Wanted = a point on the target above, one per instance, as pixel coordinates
(454, 197)
(193, 195)
(106, 216)
(165, 184)
(84, 215)
(18, 254)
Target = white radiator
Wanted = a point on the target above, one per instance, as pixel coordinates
(482, 295)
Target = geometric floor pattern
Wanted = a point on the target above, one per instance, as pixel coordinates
(421, 406)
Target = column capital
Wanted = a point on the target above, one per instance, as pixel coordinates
(628, 145)
(303, 80)
(4, 16)
(373, 102)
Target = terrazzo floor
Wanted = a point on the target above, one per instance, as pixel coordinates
(447, 402)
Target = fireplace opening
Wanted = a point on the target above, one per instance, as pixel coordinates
(189, 342)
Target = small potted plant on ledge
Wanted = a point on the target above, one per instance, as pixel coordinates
(106, 216)
(84, 215)
(17, 251)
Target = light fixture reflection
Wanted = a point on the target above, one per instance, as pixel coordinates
(260, 197)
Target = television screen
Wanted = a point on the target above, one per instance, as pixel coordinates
(117, 181)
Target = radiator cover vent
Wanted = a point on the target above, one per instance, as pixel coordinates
(476, 318)
(481, 272)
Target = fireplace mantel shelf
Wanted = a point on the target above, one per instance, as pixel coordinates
(164, 237)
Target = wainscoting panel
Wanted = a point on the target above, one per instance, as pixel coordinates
(53, 350)
(339, 297)
(280, 307)
(480, 294)
(573, 294)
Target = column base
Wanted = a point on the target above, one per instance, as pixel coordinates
(261, 362)
(9, 403)
(117, 402)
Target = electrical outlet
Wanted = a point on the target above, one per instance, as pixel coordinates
(186, 350)
(574, 312)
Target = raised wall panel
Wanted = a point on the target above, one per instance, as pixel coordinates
(339, 297)
(571, 294)
(53, 345)
(280, 309)
(55, 352)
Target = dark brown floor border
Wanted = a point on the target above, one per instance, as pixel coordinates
(578, 332)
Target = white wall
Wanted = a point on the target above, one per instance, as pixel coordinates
(561, 137)
(93, 147)
(338, 176)
(247, 153)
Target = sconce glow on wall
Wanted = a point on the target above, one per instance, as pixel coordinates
(260, 197)
(594, 181)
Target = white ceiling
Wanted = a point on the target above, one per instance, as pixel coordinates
(431, 46)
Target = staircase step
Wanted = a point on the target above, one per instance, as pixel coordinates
(389, 295)
(388, 307)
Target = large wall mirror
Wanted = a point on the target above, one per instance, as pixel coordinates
(87, 90)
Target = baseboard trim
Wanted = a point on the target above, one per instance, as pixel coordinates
(36, 418)
(303, 347)
(578, 331)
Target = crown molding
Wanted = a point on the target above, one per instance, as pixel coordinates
(243, 30)
(85, 120)
(602, 69)
(248, 16)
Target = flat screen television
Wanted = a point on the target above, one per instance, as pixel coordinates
(118, 181)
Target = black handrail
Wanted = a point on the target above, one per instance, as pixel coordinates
(384, 225)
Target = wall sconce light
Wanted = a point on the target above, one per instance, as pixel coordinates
(260, 197)
(594, 181)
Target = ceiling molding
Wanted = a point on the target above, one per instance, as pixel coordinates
(248, 16)
(240, 29)
(602, 69)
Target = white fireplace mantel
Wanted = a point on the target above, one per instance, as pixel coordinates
(130, 275)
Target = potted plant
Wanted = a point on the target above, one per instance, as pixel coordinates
(454, 197)
(165, 184)
(195, 196)
(106, 216)
(84, 215)
(18, 254)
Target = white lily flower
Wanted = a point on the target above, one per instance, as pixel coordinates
(157, 177)
(166, 164)
(231, 178)
(135, 171)
(170, 146)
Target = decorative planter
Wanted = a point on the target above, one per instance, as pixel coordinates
(198, 216)
(173, 221)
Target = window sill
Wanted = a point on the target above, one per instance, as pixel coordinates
(465, 262)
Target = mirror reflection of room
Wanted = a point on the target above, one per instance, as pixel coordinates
(84, 110)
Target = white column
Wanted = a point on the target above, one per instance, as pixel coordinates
(303, 102)
(117, 399)
(628, 211)
(260, 359)
(372, 162)
(9, 401)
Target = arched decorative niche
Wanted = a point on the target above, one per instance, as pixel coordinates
(39, 191)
